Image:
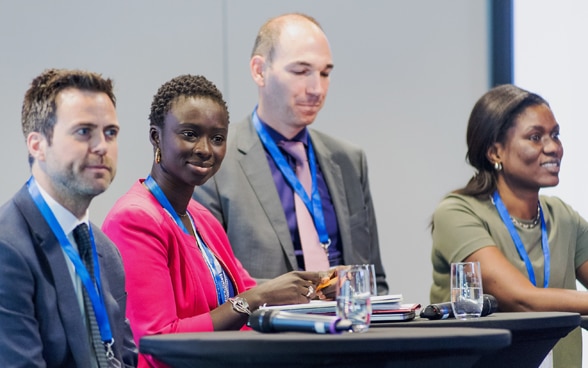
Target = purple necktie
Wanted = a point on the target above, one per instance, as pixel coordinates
(315, 256)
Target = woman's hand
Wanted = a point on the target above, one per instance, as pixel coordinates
(327, 288)
(296, 287)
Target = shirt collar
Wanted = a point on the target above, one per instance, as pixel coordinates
(302, 136)
(65, 218)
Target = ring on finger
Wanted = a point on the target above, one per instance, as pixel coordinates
(310, 291)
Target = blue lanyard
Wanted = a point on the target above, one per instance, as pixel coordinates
(162, 199)
(504, 215)
(94, 291)
(221, 281)
(314, 206)
(219, 276)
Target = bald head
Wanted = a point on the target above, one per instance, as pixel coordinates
(269, 34)
(291, 65)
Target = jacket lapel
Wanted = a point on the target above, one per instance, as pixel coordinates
(252, 161)
(46, 244)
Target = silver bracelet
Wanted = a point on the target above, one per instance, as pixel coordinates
(240, 305)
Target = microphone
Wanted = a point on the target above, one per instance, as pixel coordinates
(273, 320)
(444, 310)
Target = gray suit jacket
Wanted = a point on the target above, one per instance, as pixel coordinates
(40, 319)
(243, 196)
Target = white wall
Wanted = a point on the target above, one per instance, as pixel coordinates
(551, 59)
(406, 76)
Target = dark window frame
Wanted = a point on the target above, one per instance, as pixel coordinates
(502, 54)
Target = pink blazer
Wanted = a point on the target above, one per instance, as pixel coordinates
(170, 288)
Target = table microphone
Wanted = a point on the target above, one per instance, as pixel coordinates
(444, 310)
(271, 320)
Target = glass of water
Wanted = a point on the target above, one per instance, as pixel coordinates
(467, 298)
(373, 284)
(353, 296)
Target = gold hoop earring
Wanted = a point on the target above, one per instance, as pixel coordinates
(497, 166)
(157, 155)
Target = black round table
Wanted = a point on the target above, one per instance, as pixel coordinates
(533, 334)
(378, 347)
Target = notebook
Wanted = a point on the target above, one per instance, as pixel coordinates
(384, 308)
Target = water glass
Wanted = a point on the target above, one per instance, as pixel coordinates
(373, 285)
(353, 296)
(467, 299)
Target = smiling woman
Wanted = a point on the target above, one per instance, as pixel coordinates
(530, 155)
(531, 247)
(182, 275)
(192, 145)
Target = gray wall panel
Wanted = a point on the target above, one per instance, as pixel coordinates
(407, 74)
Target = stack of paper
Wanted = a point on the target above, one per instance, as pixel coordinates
(380, 304)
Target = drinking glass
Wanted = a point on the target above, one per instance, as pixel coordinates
(372, 271)
(373, 285)
(467, 299)
(353, 296)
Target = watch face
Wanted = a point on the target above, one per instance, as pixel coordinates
(240, 305)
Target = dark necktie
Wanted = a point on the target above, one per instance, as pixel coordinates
(315, 257)
(82, 238)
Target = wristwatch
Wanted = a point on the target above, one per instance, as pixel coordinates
(240, 305)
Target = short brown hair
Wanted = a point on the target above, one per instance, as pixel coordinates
(39, 106)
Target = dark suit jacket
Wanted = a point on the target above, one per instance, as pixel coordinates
(40, 319)
(243, 196)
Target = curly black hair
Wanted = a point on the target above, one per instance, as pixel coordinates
(182, 86)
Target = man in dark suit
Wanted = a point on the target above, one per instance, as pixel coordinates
(55, 309)
(255, 194)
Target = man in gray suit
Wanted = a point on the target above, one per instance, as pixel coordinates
(255, 193)
(58, 308)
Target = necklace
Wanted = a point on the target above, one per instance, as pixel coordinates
(183, 214)
(525, 225)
